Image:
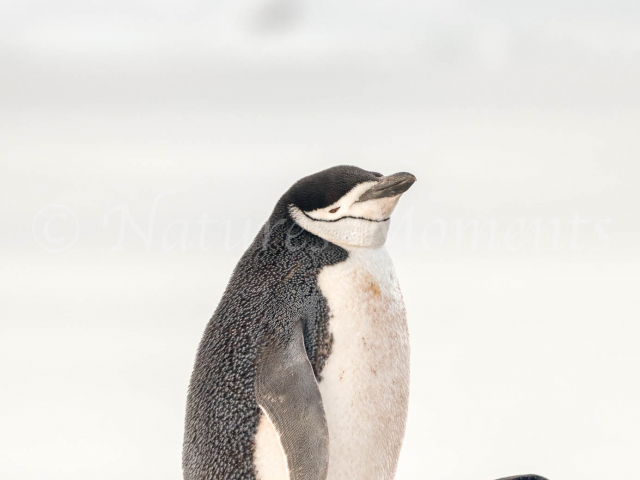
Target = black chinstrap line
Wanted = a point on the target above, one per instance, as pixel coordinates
(342, 218)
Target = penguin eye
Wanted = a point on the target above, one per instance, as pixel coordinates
(334, 210)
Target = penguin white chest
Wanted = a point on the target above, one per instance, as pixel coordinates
(365, 382)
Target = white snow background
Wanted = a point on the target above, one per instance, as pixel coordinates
(142, 144)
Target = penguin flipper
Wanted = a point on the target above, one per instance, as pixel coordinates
(287, 391)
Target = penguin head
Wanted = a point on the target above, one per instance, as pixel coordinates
(346, 205)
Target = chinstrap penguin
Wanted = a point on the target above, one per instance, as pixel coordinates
(303, 370)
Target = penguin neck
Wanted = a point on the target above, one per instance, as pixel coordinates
(283, 236)
(282, 229)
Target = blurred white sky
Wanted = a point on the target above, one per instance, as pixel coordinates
(523, 359)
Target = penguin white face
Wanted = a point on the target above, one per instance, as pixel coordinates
(353, 207)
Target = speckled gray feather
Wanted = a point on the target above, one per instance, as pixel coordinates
(272, 290)
(273, 286)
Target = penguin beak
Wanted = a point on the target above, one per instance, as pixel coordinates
(389, 186)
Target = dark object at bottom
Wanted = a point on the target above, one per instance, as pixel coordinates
(524, 477)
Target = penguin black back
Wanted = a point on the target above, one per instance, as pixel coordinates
(278, 271)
